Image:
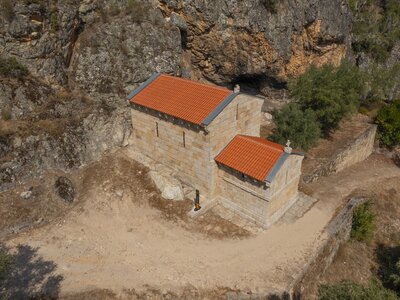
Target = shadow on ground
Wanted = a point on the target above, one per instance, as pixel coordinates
(26, 275)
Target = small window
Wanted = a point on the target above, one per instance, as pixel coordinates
(157, 132)
(184, 139)
(237, 111)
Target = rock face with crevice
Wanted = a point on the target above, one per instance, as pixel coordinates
(84, 57)
(42, 36)
(229, 40)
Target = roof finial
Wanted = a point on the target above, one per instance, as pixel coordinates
(236, 89)
(288, 149)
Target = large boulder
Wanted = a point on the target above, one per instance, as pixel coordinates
(116, 56)
(170, 187)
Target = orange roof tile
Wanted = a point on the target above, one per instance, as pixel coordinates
(252, 156)
(181, 98)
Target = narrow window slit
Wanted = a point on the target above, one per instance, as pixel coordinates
(158, 135)
(184, 140)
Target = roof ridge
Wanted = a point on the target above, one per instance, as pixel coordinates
(251, 138)
(197, 82)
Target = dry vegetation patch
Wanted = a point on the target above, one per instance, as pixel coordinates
(360, 261)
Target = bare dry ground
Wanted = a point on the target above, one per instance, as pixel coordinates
(119, 239)
(359, 261)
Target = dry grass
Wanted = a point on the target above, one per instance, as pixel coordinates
(358, 261)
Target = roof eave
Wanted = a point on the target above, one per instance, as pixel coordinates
(271, 175)
(143, 85)
(207, 121)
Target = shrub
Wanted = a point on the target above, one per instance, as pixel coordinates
(332, 93)
(388, 257)
(376, 28)
(363, 224)
(388, 120)
(384, 84)
(348, 290)
(395, 277)
(7, 9)
(6, 261)
(11, 67)
(363, 110)
(54, 21)
(300, 127)
(5, 114)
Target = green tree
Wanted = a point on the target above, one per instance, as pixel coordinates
(363, 224)
(388, 120)
(332, 93)
(348, 290)
(300, 127)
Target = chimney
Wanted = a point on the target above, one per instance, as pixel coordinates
(236, 89)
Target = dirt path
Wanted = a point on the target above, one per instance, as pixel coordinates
(117, 243)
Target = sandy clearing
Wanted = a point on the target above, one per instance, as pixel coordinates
(116, 244)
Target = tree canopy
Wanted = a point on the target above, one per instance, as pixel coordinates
(300, 127)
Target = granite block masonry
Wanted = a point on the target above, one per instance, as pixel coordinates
(209, 137)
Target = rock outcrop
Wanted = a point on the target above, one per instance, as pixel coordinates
(113, 57)
(87, 60)
(41, 36)
(268, 41)
(86, 56)
(49, 128)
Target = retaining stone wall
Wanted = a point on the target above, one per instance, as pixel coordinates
(353, 153)
(339, 232)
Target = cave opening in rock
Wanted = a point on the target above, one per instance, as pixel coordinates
(258, 84)
(250, 84)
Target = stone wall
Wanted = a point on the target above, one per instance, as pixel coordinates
(254, 200)
(284, 186)
(245, 197)
(190, 161)
(339, 232)
(241, 116)
(358, 150)
(194, 163)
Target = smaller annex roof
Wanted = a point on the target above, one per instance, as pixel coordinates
(184, 99)
(253, 156)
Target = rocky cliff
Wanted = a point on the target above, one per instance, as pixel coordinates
(84, 57)
(267, 41)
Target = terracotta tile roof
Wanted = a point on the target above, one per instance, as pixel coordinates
(181, 98)
(252, 156)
